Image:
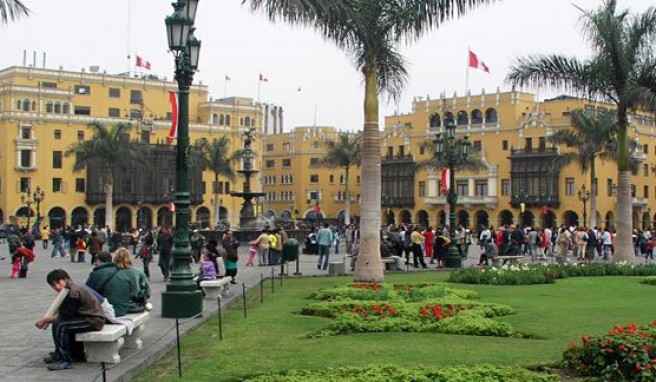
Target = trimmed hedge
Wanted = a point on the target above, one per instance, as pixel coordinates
(480, 373)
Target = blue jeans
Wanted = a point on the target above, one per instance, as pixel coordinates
(324, 250)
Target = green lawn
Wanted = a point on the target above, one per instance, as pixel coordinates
(274, 336)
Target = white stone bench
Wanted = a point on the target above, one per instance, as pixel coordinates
(104, 345)
(133, 340)
(215, 288)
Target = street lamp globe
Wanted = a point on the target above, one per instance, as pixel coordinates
(177, 28)
(193, 50)
(190, 7)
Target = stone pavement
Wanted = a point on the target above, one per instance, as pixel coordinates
(23, 301)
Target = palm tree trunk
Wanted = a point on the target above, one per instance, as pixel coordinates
(347, 208)
(593, 194)
(369, 267)
(623, 240)
(216, 200)
(109, 204)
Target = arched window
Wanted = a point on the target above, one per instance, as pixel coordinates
(435, 121)
(215, 119)
(57, 108)
(26, 104)
(247, 121)
(463, 118)
(227, 120)
(49, 107)
(19, 103)
(221, 120)
(33, 105)
(66, 108)
(491, 115)
(476, 117)
(448, 117)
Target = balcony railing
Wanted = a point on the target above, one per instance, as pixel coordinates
(468, 201)
(535, 201)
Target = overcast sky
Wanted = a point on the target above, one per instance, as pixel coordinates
(80, 33)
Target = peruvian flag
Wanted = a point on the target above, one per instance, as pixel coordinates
(173, 134)
(262, 78)
(171, 207)
(475, 63)
(143, 63)
(446, 178)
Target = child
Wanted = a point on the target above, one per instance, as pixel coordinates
(252, 252)
(15, 265)
(207, 270)
(79, 312)
(81, 246)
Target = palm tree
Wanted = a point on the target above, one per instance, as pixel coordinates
(620, 71)
(113, 149)
(591, 136)
(215, 156)
(12, 9)
(370, 31)
(345, 152)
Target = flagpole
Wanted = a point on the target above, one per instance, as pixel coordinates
(467, 73)
(129, 32)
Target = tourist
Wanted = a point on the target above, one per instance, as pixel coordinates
(387, 251)
(45, 234)
(325, 240)
(81, 246)
(607, 242)
(491, 251)
(136, 279)
(94, 245)
(581, 244)
(562, 244)
(145, 253)
(104, 279)
(273, 247)
(206, 271)
(230, 244)
(79, 312)
(216, 255)
(165, 247)
(441, 248)
(417, 254)
(252, 252)
(134, 240)
(263, 244)
(20, 258)
(429, 236)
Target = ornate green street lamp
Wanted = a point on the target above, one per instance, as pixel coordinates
(181, 298)
(584, 196)
(446, 151)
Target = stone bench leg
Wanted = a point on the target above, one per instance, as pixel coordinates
(103, 351)
(133, 341)
(226, 289)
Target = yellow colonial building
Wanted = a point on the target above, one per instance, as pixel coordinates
(44, 111)
(297, 185)
(521, 181)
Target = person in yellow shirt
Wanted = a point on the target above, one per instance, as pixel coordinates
(273, 248)
(45, 233)
(417, 253)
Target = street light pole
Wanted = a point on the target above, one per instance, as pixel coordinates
(584, 196)
(28, 201)
(445, 149)
(181, 298)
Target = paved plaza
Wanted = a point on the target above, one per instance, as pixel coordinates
(23, 301)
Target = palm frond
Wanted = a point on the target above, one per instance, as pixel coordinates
(12, 10)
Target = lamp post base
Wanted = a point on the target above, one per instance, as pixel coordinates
(181, 304)
(453, 259)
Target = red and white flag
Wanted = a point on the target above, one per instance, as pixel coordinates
(475, 63)
(173, 133)
(262, 78)
(143, 63)
(171, 207)
(446, 179)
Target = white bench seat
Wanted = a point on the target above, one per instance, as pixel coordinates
(103, 345)
(216, 288)
(133, 340)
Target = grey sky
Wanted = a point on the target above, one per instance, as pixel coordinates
(80, 33)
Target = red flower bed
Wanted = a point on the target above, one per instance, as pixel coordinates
(376, 310)
(625, 353)
(437, 312)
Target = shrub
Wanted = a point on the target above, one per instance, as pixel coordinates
(624, 354)
(399, 374)
(651, 280)
(545, 273)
